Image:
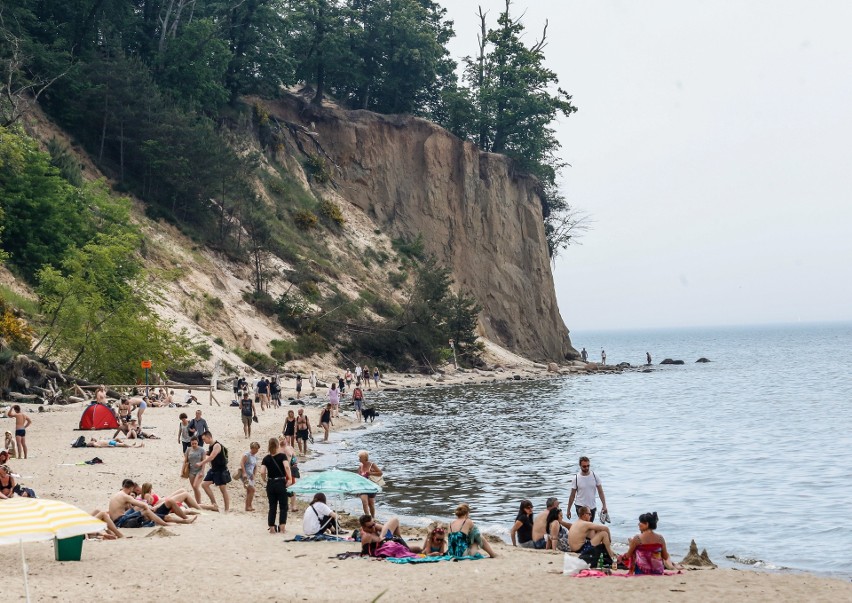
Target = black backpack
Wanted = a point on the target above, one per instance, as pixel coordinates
(79, 443)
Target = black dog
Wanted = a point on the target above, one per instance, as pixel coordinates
(369, 413)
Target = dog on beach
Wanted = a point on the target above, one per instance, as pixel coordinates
(369, 413)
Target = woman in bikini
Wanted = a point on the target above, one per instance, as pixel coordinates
(648, 553)
(464, 537)
(435, 544)
(325, 420)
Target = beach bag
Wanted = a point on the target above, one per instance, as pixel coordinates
(79, 442)
(376, 479)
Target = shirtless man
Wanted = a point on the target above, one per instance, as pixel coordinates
(123, 508)
(583, 530)
(100, 395)
(22, 421)
(373, 533)
(125, 430)
(303, 431)
(167, 505)
(539, 538)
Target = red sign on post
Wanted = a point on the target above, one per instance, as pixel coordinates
(146, 364)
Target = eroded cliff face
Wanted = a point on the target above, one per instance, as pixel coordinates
(475, 214)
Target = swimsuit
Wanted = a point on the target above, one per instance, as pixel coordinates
(20, 432)
(289, 427)
(112, 443)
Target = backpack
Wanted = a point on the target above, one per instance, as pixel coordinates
(79, 442)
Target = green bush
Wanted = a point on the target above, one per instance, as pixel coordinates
(386, 308)
(203, 350)
(413, 250)
(219, 341)
(283, 350)
(305, 219)
(213, 304)
(262, 301)
(331, 213)
(258, 361)
(318, 169)
(28, 306)
(308, 344)
(310, 289)
(380, 257)
(398, 279)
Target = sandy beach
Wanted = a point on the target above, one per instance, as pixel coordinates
(232, 557)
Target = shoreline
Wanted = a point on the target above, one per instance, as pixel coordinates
(302, 570)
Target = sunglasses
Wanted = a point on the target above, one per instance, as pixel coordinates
(584, 466)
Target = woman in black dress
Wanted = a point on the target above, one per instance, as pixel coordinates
(290, 428)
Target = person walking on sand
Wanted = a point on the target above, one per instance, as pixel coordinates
(22, 421)
(248, 468)
(358, 401)
(293, 459)
(358, 376)
(290, 428)
(194, 455)
(313, 381)
(276, 469)
(348, 378)
(376, 376)
(247, 413)
(184, 437)
(367, 377)
(334, 399)
(603, 357)
(218, 474)
(325, 420)
(298, 387)
(198, 426)
(583, 488)
(303, 431)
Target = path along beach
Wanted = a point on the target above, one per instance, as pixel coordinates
(232, 557)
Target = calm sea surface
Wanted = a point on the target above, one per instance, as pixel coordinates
(749, 454)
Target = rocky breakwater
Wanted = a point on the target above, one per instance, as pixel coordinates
(476, 214)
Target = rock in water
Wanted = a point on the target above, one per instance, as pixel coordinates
(670, 361)
(702, 359)
(694, 559)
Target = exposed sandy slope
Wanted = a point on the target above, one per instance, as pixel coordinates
(232, 558)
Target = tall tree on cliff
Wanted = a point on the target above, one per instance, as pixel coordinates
(516, 99)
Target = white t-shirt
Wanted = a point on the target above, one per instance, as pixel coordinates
(357, 371)
(311, 522)
(586, 486)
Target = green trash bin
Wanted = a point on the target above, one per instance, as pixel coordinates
(68, 549)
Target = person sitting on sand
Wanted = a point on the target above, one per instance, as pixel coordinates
(585, 536)
(435, 544)
(93, 443)
(125, 431)
(7, 482)
(164, 507)
(139, 433)
(126, 511)
(648, 553)
(9, 444)
(319, 518)
(523, 526)
(464, 538)
(557, 533)
(373, 534)
(539, 533)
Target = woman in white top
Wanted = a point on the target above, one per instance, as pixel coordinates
(319, 518)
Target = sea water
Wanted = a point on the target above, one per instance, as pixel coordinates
(748, 454)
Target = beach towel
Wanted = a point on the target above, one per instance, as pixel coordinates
(319, 538)
(421, 559)
(395, 550)
(647, 559)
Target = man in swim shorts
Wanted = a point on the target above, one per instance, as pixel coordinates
(539, 538)
(126, 511)
(303, 431)
(22, 421)
(584, 534)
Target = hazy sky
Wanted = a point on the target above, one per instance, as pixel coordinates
(710, 149)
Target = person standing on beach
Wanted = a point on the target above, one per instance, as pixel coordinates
(313, 381)
(358, 401)
(325, 420)
(584, 355)
(348, 377)
(247, 413)
(334, 400)
(367, 377)
(184, 437)
(376, 376)
(277, 471)
(368, 470)
(298, 387)
(603, 357)
(218, 474)
(358, 376)
(194, 455)
(583, 488)
(648, 358)
(22, 421)
(248, 468)
(198, 426)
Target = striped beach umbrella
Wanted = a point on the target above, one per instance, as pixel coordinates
(34, 519)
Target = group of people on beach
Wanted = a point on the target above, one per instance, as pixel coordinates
(548, 530)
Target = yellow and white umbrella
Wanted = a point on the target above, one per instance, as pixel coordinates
(34, 519)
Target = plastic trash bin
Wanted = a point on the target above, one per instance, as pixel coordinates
(68, 549)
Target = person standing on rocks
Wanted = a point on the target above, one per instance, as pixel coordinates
(648, 358)
(603, 357)
(583, 488)
(584, 355)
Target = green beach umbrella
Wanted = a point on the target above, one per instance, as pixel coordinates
(335, 481)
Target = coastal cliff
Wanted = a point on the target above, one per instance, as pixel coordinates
(476, 214)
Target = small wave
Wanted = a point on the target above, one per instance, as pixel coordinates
(756, 563)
